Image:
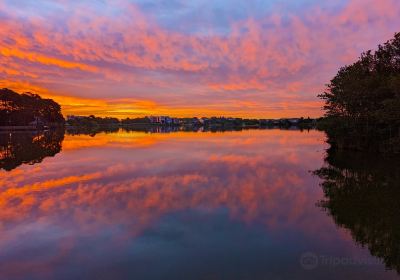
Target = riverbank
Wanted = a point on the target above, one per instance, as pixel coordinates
(19, 128)
(30, 127)
(343, 134)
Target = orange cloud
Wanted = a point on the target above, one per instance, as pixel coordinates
(34, 57)
(270, 60)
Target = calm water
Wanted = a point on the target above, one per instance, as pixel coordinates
(187, 205)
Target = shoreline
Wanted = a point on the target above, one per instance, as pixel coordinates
(20, 128)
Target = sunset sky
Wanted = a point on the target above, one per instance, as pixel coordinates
(244, 58)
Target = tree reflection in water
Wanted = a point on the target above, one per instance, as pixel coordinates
(18, 148)
(362, 194)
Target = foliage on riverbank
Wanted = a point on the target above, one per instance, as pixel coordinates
(28, 109)
(362, 102)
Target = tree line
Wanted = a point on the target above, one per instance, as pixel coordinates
(362, 102)
(27, 108)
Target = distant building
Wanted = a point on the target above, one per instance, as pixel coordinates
(74, 118)
(293, 121)
(204, 121)
(154, 119)
(164, 120)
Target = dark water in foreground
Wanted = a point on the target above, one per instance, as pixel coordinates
(186, 205)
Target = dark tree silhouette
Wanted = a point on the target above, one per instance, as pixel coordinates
(23, 109)
(362, 102)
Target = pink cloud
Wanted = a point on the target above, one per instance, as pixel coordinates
(277, 59)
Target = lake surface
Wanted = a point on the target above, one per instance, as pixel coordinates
(194, 205)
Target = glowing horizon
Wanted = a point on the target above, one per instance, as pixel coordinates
(132, 58)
